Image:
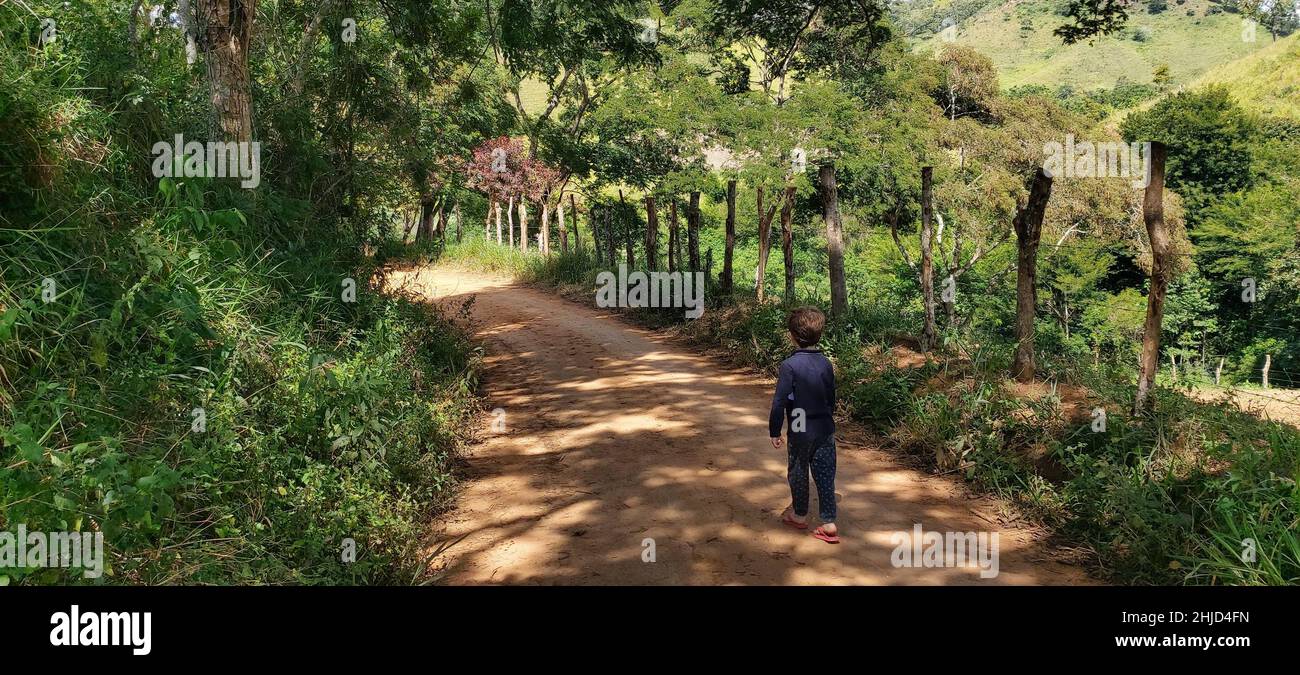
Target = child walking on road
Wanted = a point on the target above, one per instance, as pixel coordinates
(804, 402)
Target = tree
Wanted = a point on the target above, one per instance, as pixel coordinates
(1158, 233)
(1029, 229)
(226, 28)
(927, 259)
(787, 242)
(727, 279)
(651, 233)
(764, 241)
(594, 213)
(1161, 77)
(1281, 17)
(625, 230)
(498, 168)
(834, 238)
(968, 84)
(693, 231)
(539, 179)
(579, 50)
(564, 231)
(1090, 18)
(779, 37)
(674, 250)
(652, 131)
(1209, 138)
(573, 207)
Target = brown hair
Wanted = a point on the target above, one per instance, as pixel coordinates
(806, 325)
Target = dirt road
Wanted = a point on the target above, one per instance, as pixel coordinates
(615, 436)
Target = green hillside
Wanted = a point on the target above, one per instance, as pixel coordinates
(1266, 81)
(1190, 36)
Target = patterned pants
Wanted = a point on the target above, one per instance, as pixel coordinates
(819, 457)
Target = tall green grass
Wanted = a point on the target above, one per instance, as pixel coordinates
(132, 309)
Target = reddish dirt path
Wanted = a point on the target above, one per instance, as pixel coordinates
(616, 434)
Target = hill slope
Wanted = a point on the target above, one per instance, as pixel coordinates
(1266, 81)
(1191, 37)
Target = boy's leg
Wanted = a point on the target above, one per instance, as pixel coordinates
(823, 473)
(797, 475)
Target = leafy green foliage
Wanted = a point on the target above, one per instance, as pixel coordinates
(1209, 137)
(194, 386)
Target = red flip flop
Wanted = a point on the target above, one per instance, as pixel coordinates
(789, 520)
(826, 536)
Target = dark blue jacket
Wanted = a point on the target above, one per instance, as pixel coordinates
(806, 381)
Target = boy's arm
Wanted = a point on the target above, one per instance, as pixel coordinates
(833, 399)
(781, 399)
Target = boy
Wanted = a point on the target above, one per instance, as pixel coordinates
(805, 399)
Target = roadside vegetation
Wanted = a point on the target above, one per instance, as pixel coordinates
(180, 368)
(215, 375)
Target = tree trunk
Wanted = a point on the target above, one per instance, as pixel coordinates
(611, 243)
(487, 217)
(949, 306)
(927, 259)
(544, 235)
(498, 209)
(305, 43)
(225, 28)
(787, 242)
(1028, 225)
(455, 210)
(573, 206)
(1218, 372)
(834, 238)
(764, 244)
(510, 220)
(1065, 311)
(1268, 362)
(425, 231)
(625, 231)
(132, 19)
(187, 27)
(693, 231)
(523, 224)
(674, 261)
(1153, 212)
(564, 232)
(681, 248)
(651, 234)
(593, 216)
(729, 253)
(442, 221)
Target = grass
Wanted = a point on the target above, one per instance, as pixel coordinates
(322, 421)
